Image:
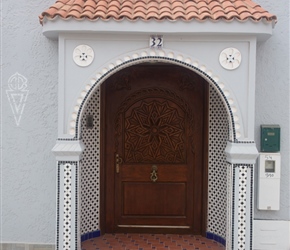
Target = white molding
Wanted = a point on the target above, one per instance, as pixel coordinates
(261, 29)
(68, 150)
(241, 153)
(250, 121)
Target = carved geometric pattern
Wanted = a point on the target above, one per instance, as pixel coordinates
(155, 132)
(151, 93)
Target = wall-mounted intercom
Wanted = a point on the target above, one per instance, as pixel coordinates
(269, 181)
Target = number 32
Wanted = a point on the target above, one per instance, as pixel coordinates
(156, 42)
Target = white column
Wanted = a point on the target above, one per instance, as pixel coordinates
(68, 155)
(241, 158)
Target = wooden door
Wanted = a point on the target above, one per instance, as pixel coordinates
(154, 142)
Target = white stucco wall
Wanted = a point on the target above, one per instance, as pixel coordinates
(272, 96)
(28, 168)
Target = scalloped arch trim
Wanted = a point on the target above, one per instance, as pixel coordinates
(150, 55)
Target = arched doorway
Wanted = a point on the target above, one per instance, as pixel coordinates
(214, 217)
(154, 127)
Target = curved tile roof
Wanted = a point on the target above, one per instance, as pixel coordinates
(157, 9)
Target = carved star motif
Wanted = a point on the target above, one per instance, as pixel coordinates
(154, 131)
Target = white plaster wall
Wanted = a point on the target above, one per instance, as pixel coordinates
(273, 94)
(28, 169)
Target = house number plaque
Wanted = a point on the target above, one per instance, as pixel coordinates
(156, 42)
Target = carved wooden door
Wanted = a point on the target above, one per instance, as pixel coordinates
(154, 145)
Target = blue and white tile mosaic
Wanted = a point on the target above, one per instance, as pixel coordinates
(90, 171)
(217, 169)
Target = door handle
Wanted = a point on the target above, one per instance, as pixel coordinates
(153, 174)
(119, 161)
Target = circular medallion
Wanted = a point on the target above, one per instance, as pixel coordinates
(230, 58)
(83, 55)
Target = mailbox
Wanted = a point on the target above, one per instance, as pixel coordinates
(270, 138)
(269, 181)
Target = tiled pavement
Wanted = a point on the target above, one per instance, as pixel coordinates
(150, 241)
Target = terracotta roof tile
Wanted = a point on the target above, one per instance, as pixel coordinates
(151, 16)
(79, 2)
(245, 15)
(157, 9)
(101, 8)
(150, 9)
(191, 16)
(205, 15)
(178, 9)
(76, 8)
(227, 4)
(218, 15)
(233, 14)
(177, 4)
(230, 9)
(239, 3)
(217, 9)
(74, 14)
(242, 9)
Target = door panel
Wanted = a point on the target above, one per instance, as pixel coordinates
(144, 199)
(154, 145)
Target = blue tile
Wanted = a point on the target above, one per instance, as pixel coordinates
(209, 235)
(84, 237)
(216, 238)
(90, 235)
